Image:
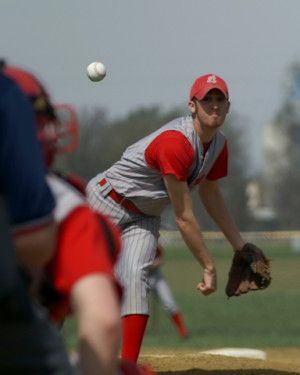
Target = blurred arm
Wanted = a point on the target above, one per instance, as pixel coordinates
(97, 308)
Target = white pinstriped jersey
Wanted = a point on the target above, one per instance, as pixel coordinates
(132, 177)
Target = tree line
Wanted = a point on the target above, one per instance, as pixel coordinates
(102, 142)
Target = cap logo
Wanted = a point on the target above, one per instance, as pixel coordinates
(212, 79)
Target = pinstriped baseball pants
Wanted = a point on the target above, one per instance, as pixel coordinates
(139, 241)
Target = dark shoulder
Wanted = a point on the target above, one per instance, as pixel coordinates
(10, 90)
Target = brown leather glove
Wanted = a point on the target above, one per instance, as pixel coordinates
(250, 270)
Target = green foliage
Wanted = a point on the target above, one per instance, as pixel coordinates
(268, 318)
(102, 141)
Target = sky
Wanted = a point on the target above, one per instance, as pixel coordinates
(153, 51)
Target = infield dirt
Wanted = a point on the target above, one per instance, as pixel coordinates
(191, 362)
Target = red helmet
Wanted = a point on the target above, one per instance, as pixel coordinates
(57, 126)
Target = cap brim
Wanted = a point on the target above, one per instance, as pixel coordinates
(203, 93)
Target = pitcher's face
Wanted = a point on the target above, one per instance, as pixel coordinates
(211, 111)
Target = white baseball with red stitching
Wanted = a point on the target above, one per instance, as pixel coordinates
(96, 71)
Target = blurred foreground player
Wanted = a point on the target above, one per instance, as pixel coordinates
(79, 279)
(29, 344)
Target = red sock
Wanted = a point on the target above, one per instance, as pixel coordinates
(133, 329)
(177, 319)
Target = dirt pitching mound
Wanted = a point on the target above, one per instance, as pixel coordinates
(195, 362)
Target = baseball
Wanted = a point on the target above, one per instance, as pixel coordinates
(96, 71)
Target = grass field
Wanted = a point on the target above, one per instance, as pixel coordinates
(268, 318)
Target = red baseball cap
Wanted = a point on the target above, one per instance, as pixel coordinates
(204, 84)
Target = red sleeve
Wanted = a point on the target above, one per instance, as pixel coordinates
(220, 167)
(83, 248)
(170, 153)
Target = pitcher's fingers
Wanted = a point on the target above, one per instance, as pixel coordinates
(204, 289)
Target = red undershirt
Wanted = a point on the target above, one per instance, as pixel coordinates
(171, 153)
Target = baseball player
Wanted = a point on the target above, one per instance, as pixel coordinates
(29, 344)
(187, 153)
(79, 279)
(163, 293)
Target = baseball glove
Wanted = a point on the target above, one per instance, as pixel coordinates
(250, 270)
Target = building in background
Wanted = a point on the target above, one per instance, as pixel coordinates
(273, 198)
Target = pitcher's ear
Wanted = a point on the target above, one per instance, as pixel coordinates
(228, 107)
(192, 106)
